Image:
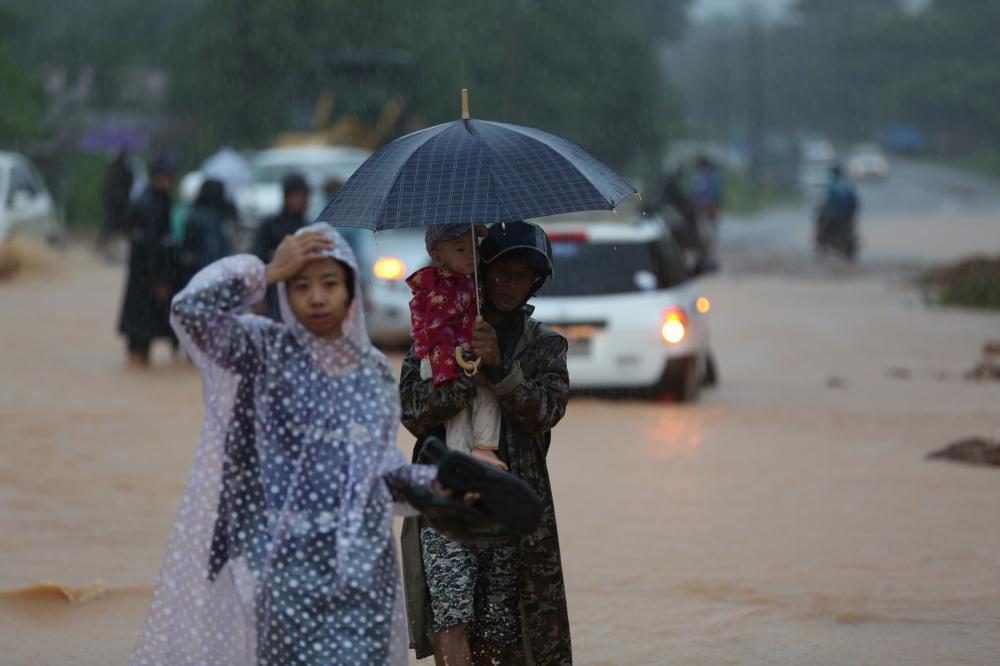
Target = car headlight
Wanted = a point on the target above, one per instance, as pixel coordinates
(389, 268)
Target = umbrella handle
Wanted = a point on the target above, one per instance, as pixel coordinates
(470, 368)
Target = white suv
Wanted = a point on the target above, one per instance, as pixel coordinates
(26, 207)
(622, 298)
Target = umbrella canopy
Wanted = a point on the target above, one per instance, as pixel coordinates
(473, 172)
(112, 138)
(230, 167)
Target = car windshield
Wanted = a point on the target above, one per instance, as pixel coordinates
(596, 269)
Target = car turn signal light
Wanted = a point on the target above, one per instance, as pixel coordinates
(673, 328)
(702, 305)
(389, 268)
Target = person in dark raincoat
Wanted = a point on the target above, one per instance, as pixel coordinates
(115, 197)
(152, 266)
(273, 229)
(518, 609)
(209, 231)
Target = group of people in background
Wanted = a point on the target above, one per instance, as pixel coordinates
(694, 196)
(169, 242)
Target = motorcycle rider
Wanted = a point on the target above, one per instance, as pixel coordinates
(836, 219)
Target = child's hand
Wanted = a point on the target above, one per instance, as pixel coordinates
(438, 489)
(294, 253)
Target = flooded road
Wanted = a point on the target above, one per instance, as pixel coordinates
(787, 518)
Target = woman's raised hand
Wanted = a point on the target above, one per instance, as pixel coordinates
(294, 253)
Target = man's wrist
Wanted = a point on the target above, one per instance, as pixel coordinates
(496, 373)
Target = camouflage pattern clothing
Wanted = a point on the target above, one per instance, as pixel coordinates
(456, 573)
(532, 392)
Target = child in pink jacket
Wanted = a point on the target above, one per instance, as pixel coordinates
(442, 314)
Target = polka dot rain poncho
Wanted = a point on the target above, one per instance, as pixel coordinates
(282, 552)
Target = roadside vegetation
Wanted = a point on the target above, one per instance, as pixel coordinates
(973, 283)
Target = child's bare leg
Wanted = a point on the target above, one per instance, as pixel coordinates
(489, 457)
(486, 428)
(451, 646)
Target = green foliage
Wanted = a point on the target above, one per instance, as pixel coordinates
(937, 69)
(973, 283)
(243, 72)
(80, 191)
(847, 68)
(22, 95)
(743, 197)
(586, 69)
(22, 106)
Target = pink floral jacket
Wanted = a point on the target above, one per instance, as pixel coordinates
(442, 313)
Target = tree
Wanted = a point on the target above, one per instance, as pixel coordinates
(585, 69)
(22, 94)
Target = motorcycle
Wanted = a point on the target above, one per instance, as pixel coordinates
(836, 220)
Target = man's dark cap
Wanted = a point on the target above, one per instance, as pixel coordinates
(164, 165)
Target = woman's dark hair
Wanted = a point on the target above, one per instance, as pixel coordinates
(212, 194)
(348, 280)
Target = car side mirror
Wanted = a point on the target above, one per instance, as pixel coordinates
(645, 280)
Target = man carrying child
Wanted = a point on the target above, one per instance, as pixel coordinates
(503, 603)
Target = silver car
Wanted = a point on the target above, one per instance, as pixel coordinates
(387, 259)
(26, 207)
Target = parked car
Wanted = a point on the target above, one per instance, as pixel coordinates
(318, 164)
(26, 207)
(622, 297)
(866, 161)
(386, 259)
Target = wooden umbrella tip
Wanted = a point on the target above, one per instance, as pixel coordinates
(465, 103)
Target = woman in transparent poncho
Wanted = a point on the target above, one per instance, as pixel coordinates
(282, 551)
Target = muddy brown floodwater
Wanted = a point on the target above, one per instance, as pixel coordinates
(787, 518)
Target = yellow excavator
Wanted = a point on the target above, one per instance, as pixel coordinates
(346, 130)
(344, 123)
